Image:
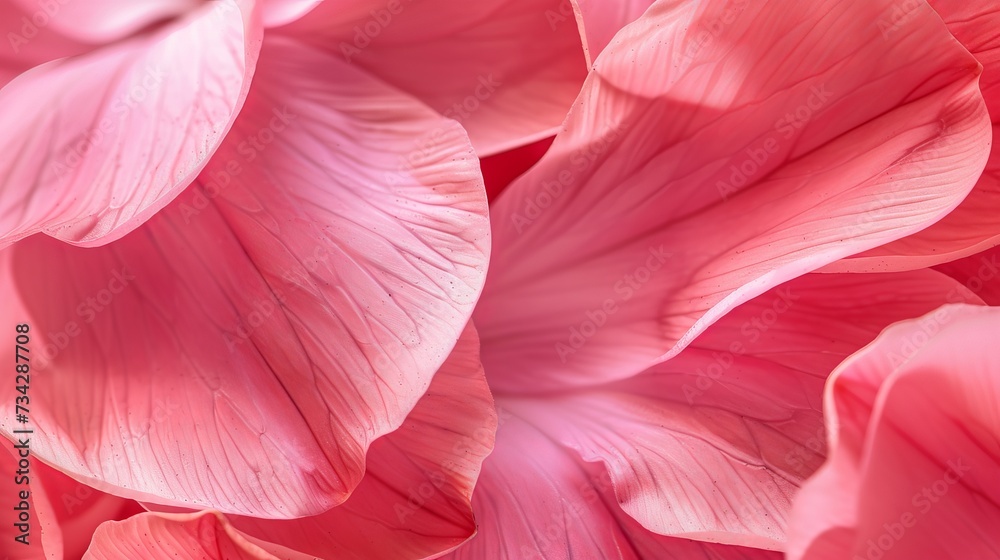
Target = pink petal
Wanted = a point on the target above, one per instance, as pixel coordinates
(191, 536)
(914, 451)
(98, 143)
(536, 500)
(503, 68)
(99, 21)
(295, 281)
(415, 499)
(600, 20)
(617, 248)
(972, 226)
(80, 509)
(980, 273)
(713, 443)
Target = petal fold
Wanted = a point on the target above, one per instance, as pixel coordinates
(508, 70)
(319, 272)
(914, 452)
(677, 192)
(99, 142)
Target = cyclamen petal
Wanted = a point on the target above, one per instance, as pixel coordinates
(713, 444)
(275, 319)
(98, 143)
(913, 447)
(599, 21)
(536, 500)
(505, 69)
(415, 499)
(677, 192)
(191, 536)
(972, 225)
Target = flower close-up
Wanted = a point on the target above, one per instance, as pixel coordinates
(502, 280)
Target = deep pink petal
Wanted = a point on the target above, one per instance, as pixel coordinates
(634, 232)
(80, 509)
(162, 536)
(416, 498)
(713, 443)
(914, 453)
(980, 273)
(537, 500)
(295, 281)
(973, 225)
(599, 20)
(96, 144)
(500, 169)
(505, 69)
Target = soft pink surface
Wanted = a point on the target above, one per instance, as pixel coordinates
(245, 346)
(97, 143)
(914, 453)
(501, 68)
(973, 225)
(623, 224)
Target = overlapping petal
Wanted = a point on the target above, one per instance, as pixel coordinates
(188, 536)
(102, 21)
(972, 226)
(599, 21)
(416, 498)
(914, 452)
(505, 69)
(713, 443)
(537, 500)
(242, 349)
(679, 191)
(980, 273)
(95, 144)
(51, 515)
